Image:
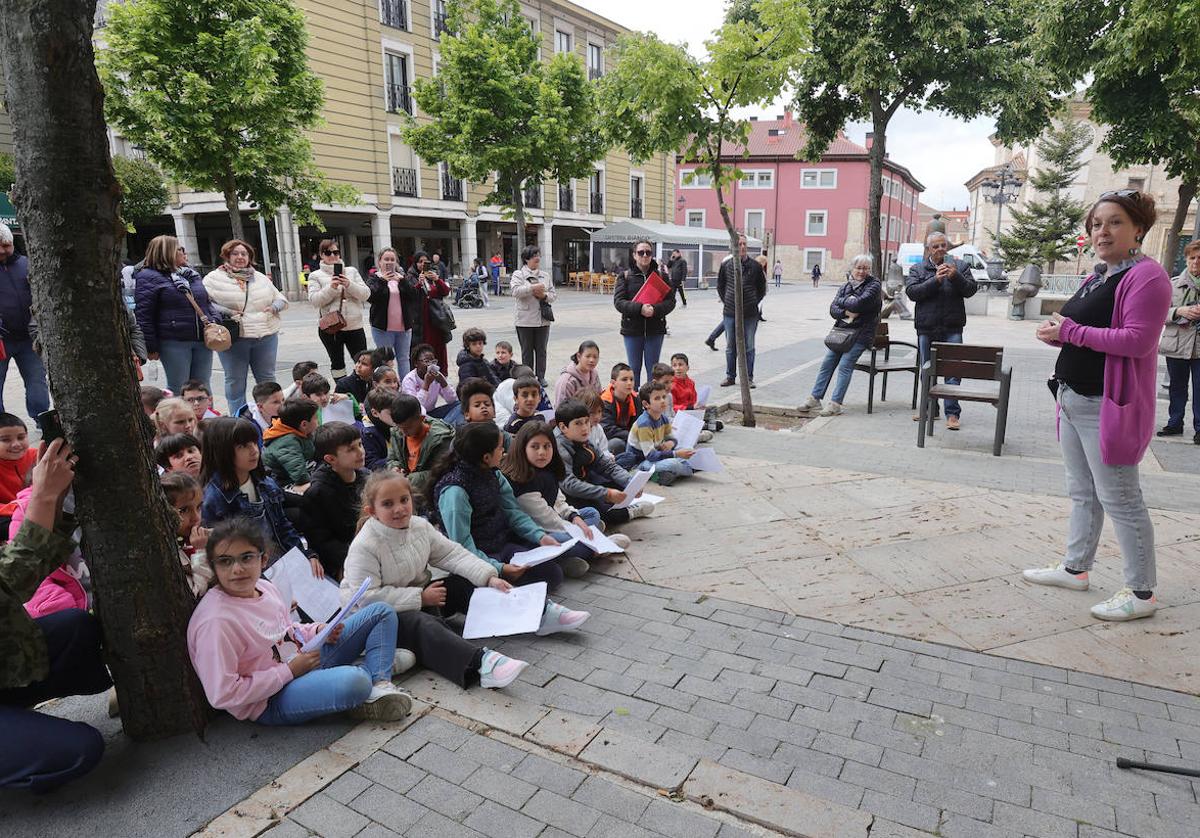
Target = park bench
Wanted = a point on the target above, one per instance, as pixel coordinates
(872, 364)
(984, 376)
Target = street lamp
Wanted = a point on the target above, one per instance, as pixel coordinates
(1000, 189)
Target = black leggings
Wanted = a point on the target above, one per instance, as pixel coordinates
(534, 340)
(436, 645)
(607, 514)
(337, 345)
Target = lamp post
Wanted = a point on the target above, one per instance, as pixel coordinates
(1000, 189)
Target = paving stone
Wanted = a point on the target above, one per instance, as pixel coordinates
(608, 797)
(666, 696)
(955, 800)
(449, 765)
(768, 769)
(387, 808)
(498, 821)
(328, 818)
(500, 787)
(446, 798)
(691, 745)
(390, 771)
(816, 762)
(857, 750)
(708, 689)
(434, 825)
(629, 757)
(426, 729)
(683, 722)
(678, 821)
(288, 829)
(549, 775)
(563, 732)
(901, 810)
(1034, 823)
(607, 827)
(377, 831)
(346, 787)
(880, 779)
(556, 810)
(960, 826)
(489, 751)
(723, 713)
(758, 702)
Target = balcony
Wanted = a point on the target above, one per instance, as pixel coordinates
(594, 73)
(566, 198)
(533, 196)
(404, 182)
(635, 208)
(452, 187)
(399, 98)
(596, 203)
(393, 13)
(439, 24)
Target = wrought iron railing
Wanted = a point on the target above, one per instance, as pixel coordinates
(399, 98)
(566, 198)
(393, 13)
(533, 196)
(596, 203)
(404, 182)
(452, 187)
(635, 208)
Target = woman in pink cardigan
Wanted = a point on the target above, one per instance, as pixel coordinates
(1105, 381)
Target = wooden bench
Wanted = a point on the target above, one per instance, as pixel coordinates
(982, 366)
(874, 365)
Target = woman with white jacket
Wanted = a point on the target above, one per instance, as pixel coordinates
(335, 286)
(531, 287)
(255, 303)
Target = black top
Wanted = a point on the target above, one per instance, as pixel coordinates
(1078, 367)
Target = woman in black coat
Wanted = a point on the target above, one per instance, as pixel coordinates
(643, 325)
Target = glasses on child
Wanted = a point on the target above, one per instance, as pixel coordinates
(197, 399)
(248, 559)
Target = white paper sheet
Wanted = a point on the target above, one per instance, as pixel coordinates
(320, 637)
(703, 392)
(639, 481)
(342, 411)
(601, 543)
(705, 459)
(547, 415)
(652, 499)
(540, 555)
(686, 427)
(292, 574)
(495, 614)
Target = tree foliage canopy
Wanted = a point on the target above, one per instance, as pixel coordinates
(143, 192)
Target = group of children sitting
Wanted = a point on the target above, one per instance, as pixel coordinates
(409, 477)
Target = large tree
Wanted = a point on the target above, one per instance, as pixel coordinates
(68, 200)
(219, 93)
(959, 58)
(1044, 231)
(496, 109)
(1142, 64)
(658, 98)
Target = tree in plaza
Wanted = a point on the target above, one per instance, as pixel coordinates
(960, 58)
(1140, 59)
(219, 93)
(658, 98)
(7, 172)
(1045, 231)
(143, 192)
(67, 198)
(496, 109)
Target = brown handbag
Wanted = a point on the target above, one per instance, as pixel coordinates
(333, 322)
(216, 336)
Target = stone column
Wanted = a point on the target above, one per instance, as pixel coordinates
(381, 231)
(185, 231)
(468, 244)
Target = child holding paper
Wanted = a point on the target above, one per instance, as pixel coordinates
(589, 477)
(525, 404)
(652, 440)
(685, 396)
(579, 373)
(245, 648)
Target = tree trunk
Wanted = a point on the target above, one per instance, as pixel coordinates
(739, 325)
(876, 155)
(518, 205)
(1187, 191)
(235, 212)
(67, 197)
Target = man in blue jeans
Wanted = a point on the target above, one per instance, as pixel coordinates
(17, 328)
(939, 286)
(754, 288)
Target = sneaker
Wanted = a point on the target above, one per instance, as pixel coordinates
(558, 618)
(721, 427)
(729, 382)
(753, 386)
(952, 423)
(1171, 431)
(813, 405)
(496, 670)
(1124, 605)
(834, 409)
(664, 478)
(1196, 438)
(385, 703)
(622, 541)
(711, 345)
(403, 661)
(705, 436)
(640, 509)
(1056, 576)
(574, 567)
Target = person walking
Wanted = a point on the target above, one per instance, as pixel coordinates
(173, 329)
(395, 307)
(338, 287)
(18, 329)
(1181, 345)
(429, 287)
(255, 303)
(643, 325)
(778, 272)
(939, 286)
(495, 267)
(677, 266)
(533, 293)
(754, 289)
(1104, 383)
(855, 309)
(816, 275)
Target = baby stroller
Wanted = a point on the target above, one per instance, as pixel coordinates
(469, 294)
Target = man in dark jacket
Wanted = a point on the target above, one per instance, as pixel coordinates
(678, 267)
(754, 288)
(939, 286)
(17, 328)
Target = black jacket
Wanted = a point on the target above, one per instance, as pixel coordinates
(866, 301)
(678, 269)
(940, 309)
(471, 367)
(754, 288)
(410, 301)
(355, 386)
(633, 324)
(331, 508)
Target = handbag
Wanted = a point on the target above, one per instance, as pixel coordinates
(547, 311)
(234, 324)
(841, 339)
(333, 322)
(442, 317)
(216, 337)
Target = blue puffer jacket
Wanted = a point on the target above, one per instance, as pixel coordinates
(865, 300)
(163, 311)
(219, 504)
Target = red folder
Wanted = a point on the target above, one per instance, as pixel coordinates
(653, 292)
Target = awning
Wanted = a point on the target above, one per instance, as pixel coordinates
(627, 232)
(8, 213)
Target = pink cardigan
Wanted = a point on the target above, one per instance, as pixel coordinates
(1131, 367)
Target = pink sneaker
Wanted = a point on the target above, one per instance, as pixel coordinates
(496, 670)
(558, 618)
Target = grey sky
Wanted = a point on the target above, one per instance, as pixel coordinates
(941, 152)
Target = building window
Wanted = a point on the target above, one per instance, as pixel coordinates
(566, 196)
(695, 218)
(1138, 183)
(451, 187)
(818, 179)
(563, 41)
(595, 61)
(397, 93)
(695, 179)
(635, 196)
(394, 13)
(439, 25)
(758, 179)
(596, 192)
(813, 256)
(816, 222)
(756, 220)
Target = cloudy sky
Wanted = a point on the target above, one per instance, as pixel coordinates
(941, 152)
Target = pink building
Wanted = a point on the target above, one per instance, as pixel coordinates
(805, 213)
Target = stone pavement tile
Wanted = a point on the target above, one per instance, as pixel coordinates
(1077, 807)
(500, 822)
(288, 829)
(666, 696)
(490, 751)
(328, 818)
(390, 771)
(449, 765)
(825, 787)
(377, 831)
(901, 810)
(563, 732)
(690, 745)
(953, 800)
(854, 749)
(446, 798)
(893, 614)
(1032, 822)
(879, 779)
(559, 811)
(830, 579)
(545, 774)
(348, 786)
(434, 825)
(767, 769)
(385, 807)
(816, 762)
(677, 821)
(500, 787)
(608, 797)
(606, 827)
(960, 826)
(651, 764)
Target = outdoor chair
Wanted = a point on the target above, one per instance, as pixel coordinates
(985, 379)
(872, 364)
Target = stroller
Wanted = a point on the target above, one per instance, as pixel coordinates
(469, 294)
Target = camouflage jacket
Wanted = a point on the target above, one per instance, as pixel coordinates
(24, 563)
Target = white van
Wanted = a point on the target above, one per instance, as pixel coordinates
(970, 254)
(909, 254)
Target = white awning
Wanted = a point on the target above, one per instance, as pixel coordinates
(627, 232)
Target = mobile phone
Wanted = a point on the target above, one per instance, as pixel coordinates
(337, 268)
(51, 426)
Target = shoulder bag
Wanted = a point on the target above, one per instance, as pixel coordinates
(216, 336)
(334, 322)
(841, 339)
(442, 317)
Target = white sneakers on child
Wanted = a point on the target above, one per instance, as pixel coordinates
(640, 509)
(574, 567)
(1056, 576)
(403, 661)
(558, 618)
(620, 540)
(497, 670)
(385, 703)
(1124, 605)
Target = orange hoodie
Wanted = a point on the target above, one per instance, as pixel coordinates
(279, 429)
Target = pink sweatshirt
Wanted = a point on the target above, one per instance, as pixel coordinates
(232, 642)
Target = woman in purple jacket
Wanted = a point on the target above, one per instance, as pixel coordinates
(1105, 382)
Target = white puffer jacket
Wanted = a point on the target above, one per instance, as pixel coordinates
(325, 297)
(250, 310)
(398, 563)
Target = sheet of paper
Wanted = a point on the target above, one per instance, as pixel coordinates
(320, 637)
(687, 426)
(495, 614)
(547, 415)
(540, 555)
(342, 411)
(639, 481)
(705, 459)
(318, 598)
(601, 543)
(652, 499)
(703, 393)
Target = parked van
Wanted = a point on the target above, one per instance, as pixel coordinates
(909, 254)
(970, 254)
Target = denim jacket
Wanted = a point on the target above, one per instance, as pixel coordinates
(220, 504)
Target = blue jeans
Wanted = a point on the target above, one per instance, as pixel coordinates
(33, 373)
(338, 685)
(246, 354)
(400, 343)
(590, 515)
(1180, 370)
(924, 344)
(731, 347)
(844, 362)
(642, 351)
(184, 359)
(671, 465)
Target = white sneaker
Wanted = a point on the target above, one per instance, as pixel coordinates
(620, 540)
(833, 409)
(1056, 576)
(813, 405)
(385, 703)
(497, 671)
(558, 618)
(640, 509)
(705, 436)
(403, 661)
(1124, 605)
